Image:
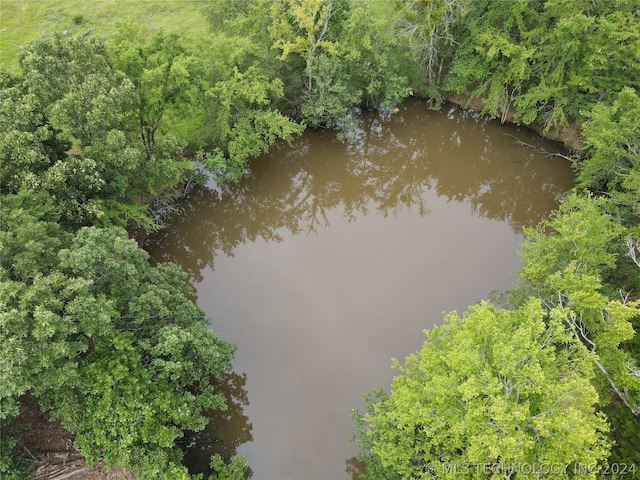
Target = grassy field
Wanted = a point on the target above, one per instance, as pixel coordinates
(24, 20)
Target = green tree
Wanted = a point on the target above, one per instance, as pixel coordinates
(248, 19)
(241, 39)
(581, 233)
(77, 85)
(110, 346)
(243, 123)
(163, 73)
(612, 151)
(30, 235)
(331, 56)
(116, 159)
(346, 58)
(571, 262)
(362, 70)
(508, 56)
(427, 27)
(302, 27)
(561, 84)
(497, 389)
(332, 99)
(492, 60)
(374, 60)
(29, 144)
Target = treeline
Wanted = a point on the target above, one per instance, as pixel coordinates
(97, 135)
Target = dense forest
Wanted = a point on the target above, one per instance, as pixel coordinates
(100, 134)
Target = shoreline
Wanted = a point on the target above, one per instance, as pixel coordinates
(569, 136)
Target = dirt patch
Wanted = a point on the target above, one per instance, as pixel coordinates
(77, 469)
(48, 448)
(568, 136)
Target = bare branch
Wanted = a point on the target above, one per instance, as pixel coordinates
(541, 150)
(633, 369)
(624, 296)
(633, 252)
(622, 395)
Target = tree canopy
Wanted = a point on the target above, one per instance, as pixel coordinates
(111, 346)
(96, 135)
(493, 392)
(507, 54)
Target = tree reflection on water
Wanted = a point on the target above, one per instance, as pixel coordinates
(226, 430)
(388, 166)
(355, 468)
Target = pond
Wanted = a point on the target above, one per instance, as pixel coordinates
(332, 256)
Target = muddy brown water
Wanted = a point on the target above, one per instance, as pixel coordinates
(331, 257)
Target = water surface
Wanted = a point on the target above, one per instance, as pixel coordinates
(332, 257)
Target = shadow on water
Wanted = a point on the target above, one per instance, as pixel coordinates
(226, 430)
(390, 164)
(355, 468)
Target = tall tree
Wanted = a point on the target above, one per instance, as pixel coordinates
(116, 159)
(375, 61)
(302, 27)
(508, 56)
(489, 393)
(29, 143)
(427, 26)
(163, 73)
(243, 122)
(573, 270)
(111, 346)
(77, 85)
(612, 151)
